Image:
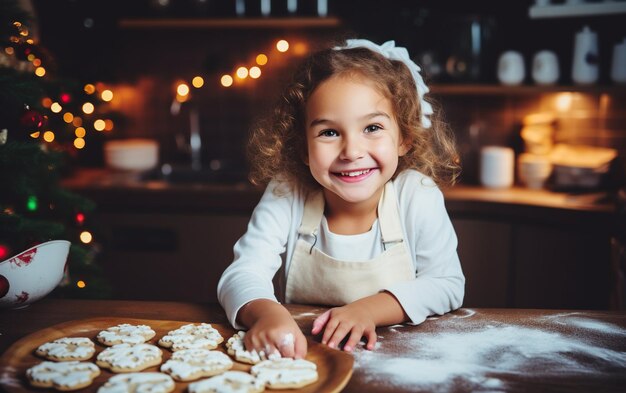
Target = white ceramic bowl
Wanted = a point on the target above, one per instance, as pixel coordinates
(131, 154)
(32, 274)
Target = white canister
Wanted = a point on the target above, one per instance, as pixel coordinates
(618, 64)
(545, 68)
(511, 69)
(131, 154)
(585, 67)
(497, 166)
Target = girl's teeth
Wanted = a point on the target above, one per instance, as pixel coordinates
(354, 174)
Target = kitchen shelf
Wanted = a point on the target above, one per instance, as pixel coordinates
(573, 10)
(230, 23)
(494, 89)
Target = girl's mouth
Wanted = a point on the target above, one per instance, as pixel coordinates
(354, 176)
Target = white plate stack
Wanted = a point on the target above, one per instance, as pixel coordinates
(131, 154)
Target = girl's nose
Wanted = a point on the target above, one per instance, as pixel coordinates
(352, 149)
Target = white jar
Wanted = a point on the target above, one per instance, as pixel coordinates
(585, 65)
(497, 166)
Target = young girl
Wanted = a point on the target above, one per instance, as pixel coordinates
(352, 211)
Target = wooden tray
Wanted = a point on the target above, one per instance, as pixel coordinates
(334, 367)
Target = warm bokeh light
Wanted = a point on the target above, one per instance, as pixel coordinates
(564, 101)
(226, 80)
(68, 117)
(197, 82)
(48, 136)
(86, 237)
(88, 108)
(31, 57)
(40, 71)
(261, 59)
(81, 284)
(80, 132)
(99, 125)
(37, 62)
(106, 95)
(35, 135)
(108, 124)
(77, 121)
(282, 46)
(242, 72)
(9, 50)
(182, 89)
(46, 102)
(79, 143)
(300, 48)
(89, 88)
(56, 107)
(255, 72)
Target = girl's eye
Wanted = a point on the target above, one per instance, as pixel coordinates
(328, 133)
(372, 128)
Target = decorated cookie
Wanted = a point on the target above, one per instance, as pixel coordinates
(138, 383)
(125, 333)
(65, 376)
(67, 349)
(229, 382)
(285, 373)
(191, 364)
(235, 347)
(189, 336)
(125, 358)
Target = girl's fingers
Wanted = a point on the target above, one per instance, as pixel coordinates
(371, 339)
(320, 322)
(329, 330)
(301, 347)
(355, 337)
(338, 335)
(286, 346)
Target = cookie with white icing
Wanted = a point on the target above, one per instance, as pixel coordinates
(125, 358)
(152, 382)
(236, 348)
(229, 382)
(191, 364)
(285, 373)
(63, 376)
(67, 349)
(189, 336)
(125, 333)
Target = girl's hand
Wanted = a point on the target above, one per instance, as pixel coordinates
(358, 319)
(353, 320)
(273, 329)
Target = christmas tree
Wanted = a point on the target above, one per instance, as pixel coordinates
(39, 135)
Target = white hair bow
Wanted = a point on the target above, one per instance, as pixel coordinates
(393, 52)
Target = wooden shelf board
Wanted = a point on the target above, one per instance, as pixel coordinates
(225, 23)
(494, 89)
(573, 10)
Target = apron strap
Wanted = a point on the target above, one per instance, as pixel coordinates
(313, 213)
(389, 216)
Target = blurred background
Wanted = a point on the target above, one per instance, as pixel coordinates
(534, 91)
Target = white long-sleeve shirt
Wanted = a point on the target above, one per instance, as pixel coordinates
(272, 233)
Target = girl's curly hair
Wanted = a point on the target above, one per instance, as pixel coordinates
(277, 145)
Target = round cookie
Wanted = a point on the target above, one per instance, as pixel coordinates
(190, 336)
(236, 348)
(67, 349)
(138, 382)
(229, 382)
(191, 364)
(285, 373)
(63, 376)
(125, 333)
(125, 358)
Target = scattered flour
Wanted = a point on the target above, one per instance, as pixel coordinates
(478, 355)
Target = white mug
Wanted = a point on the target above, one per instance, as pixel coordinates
(511, 70)
(618, 64)
(545, 69)
(585, 67)
(497, 166)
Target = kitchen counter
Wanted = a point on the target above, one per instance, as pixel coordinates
(126, 191)
(504, 350)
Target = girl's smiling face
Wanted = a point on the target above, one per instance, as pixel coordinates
(353, 140)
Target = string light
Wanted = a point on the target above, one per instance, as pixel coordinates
(99, 125)
(242, 72)
(226, 80)
(40, 71)
(88, 108)
(108, 125)
(80, 218)
(56, 107)
(197, 82)
(35, 135)
(89, 88)
(80, 132)
(261, 59)
(86, 237)
(48, 136)
(282, 46)
(32, 203)
(255, 72)
(68, 117)
(81, 284)
(79, 143)
(4, 251)
(106, 95)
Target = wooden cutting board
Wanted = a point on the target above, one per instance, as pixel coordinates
(334, 367)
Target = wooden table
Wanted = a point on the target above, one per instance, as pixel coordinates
(467, 350)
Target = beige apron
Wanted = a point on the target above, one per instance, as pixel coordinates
(317, 278)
